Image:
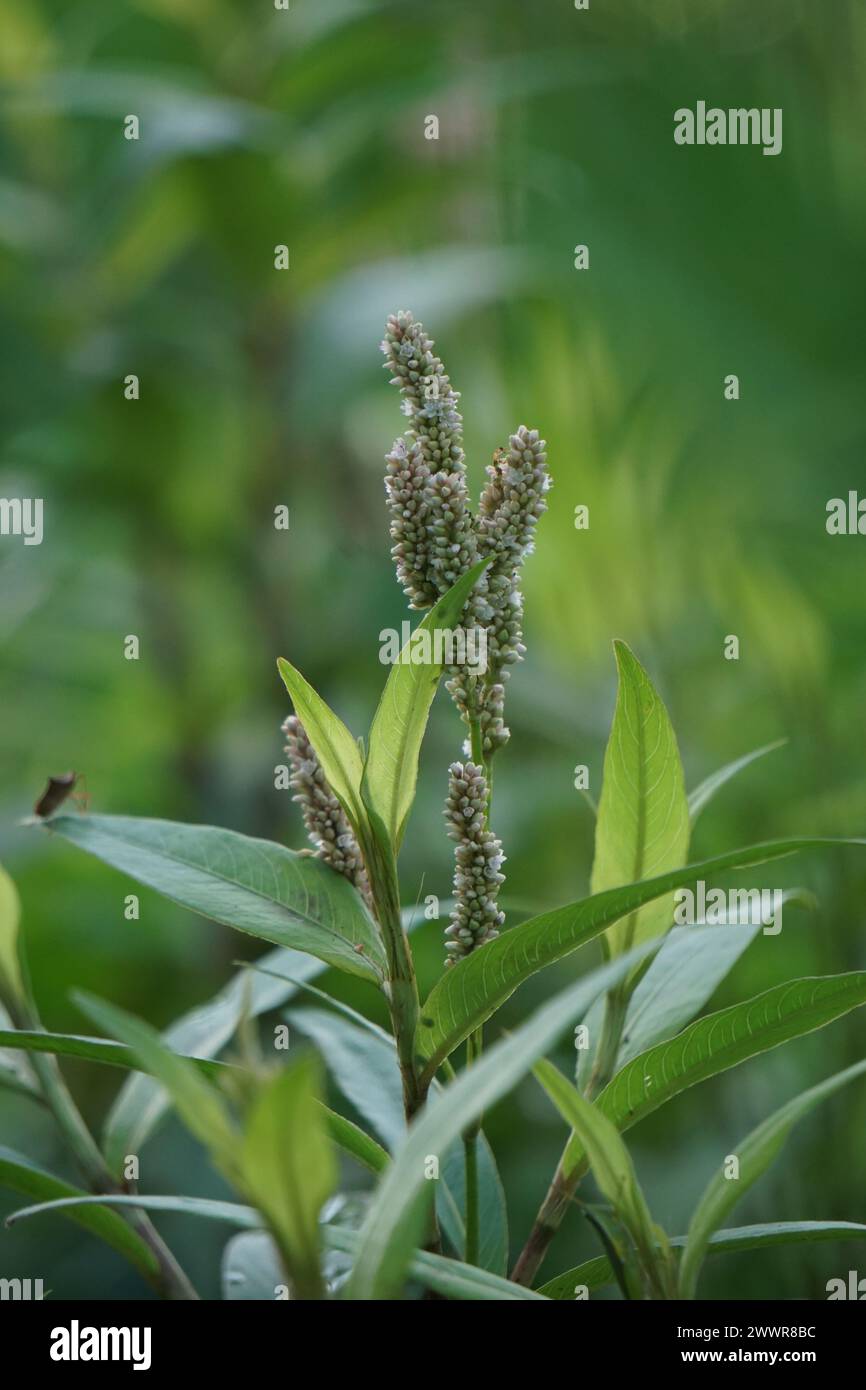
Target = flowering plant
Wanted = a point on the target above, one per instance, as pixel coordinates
(436, 1218)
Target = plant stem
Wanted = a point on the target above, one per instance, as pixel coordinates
(563, 1185)
(170, 1282)
(401, 988)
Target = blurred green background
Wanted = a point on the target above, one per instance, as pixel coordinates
(261, 388)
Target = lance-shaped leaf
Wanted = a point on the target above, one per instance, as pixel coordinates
(642, 828)
(229, 1213)
(391, 770)
(720, 1041)
(21, 1174)
(706, 790)
(288, 1168)
(474, 989)
(755, 1153)
(395, 1221)
(103, 1050)
(614, 1172)
(334, 746)
(258, 887)
(595, 1273)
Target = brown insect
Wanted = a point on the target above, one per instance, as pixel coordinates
(55, 793)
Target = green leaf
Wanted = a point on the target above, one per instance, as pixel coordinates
(391, 770)
(448, 1277)
(142, 1102)
(492, 1207)
(343, 1132)
(614, 1172)
(642, 828)
(720, 1041)
(198, 1103)
(707, 789)
(363, 1063)
(594, 1274)
(471, 991)
(287, 1166)
(20, 1174)
(13, 1080)
(397, 1213)
(755, 1153)
(251, 1268)
(351, 1138)
(11, 982)
(688, 969)
(335, 748)
(258, 887)
(230, 1213)
(104, 1050)
(16, 1073)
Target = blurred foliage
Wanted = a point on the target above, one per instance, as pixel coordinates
(261, 388)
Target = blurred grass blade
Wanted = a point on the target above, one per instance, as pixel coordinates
(594, 1274)
(334, 746)
(287, 1165)
(642, 828)
(755, 1154)
(87, 1049)
(21, 1174)
(203, 1032)
(232, 1213)
(707, 789)
(11, 982)
(469, 993)
(397, 731)
(720, 1041)
(256, 886)
(395, 1221)
(198, 1103)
